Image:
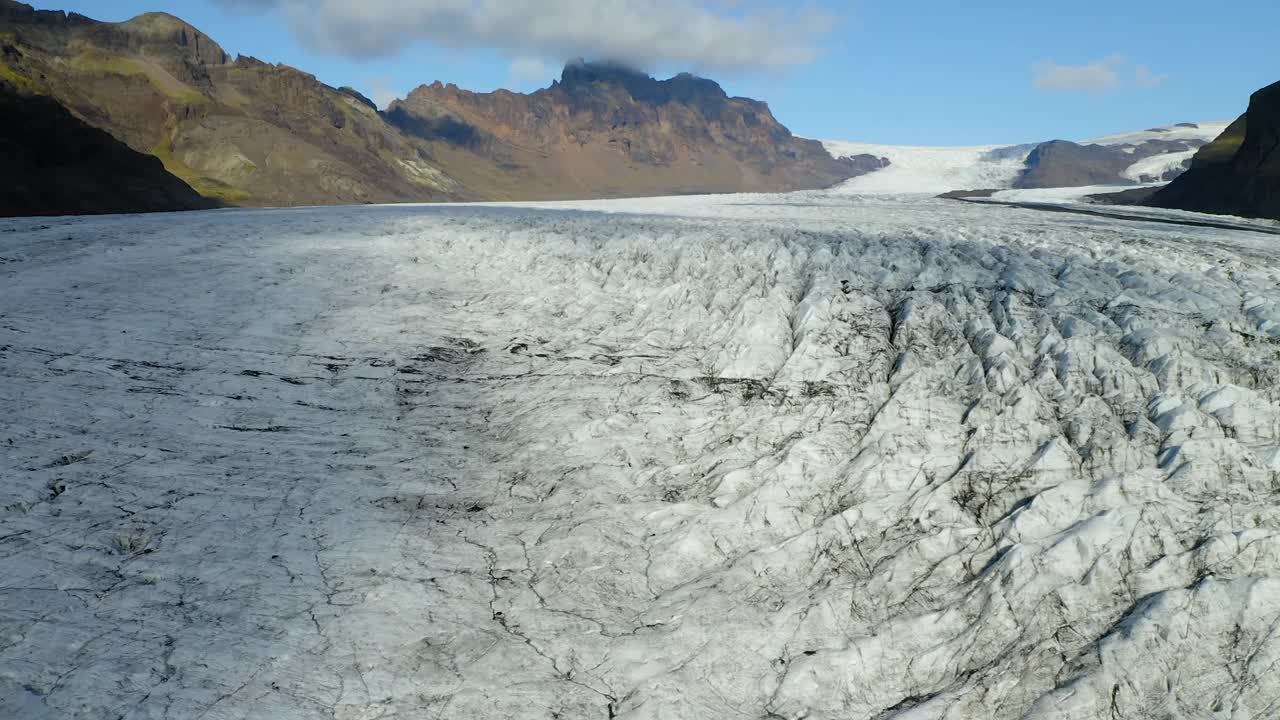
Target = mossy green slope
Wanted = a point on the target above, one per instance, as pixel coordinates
(1223, 149)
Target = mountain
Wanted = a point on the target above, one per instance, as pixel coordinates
(55, 164)
(1149, 156)
(1238, 173)
(251, 133)
(1159, 154)
(238, 130)
(1061, 163)
(607, 130)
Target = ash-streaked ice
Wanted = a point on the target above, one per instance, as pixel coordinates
(802, 456)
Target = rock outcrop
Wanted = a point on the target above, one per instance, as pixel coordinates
(1060, 163)
(866, 162)
(1239, 173)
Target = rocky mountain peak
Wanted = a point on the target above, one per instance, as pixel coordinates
(165, 30)
(584, 78)
(22, 13)
(578, 73)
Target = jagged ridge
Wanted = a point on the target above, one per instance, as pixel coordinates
(606, 129)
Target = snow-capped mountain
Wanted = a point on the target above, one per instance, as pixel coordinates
(1148, 156)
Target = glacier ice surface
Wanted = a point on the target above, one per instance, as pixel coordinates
(801, 456)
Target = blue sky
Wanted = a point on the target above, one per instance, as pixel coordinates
(922, 72)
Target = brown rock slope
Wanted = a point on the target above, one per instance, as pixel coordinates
(1061, 163)
(55, 164)
(1239, 173)
(604, 130)
(239, 130)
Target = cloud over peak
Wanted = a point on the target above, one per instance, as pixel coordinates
(716, 35)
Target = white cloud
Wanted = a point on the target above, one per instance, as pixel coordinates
(1144, 77)
(1098, 76)
(695, 34)
(1109, 73)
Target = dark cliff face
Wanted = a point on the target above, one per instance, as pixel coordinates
(1239, 173)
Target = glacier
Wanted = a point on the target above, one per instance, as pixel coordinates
(816, 455)
(936, 170)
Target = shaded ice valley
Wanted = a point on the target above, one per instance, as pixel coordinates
(761, 457)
